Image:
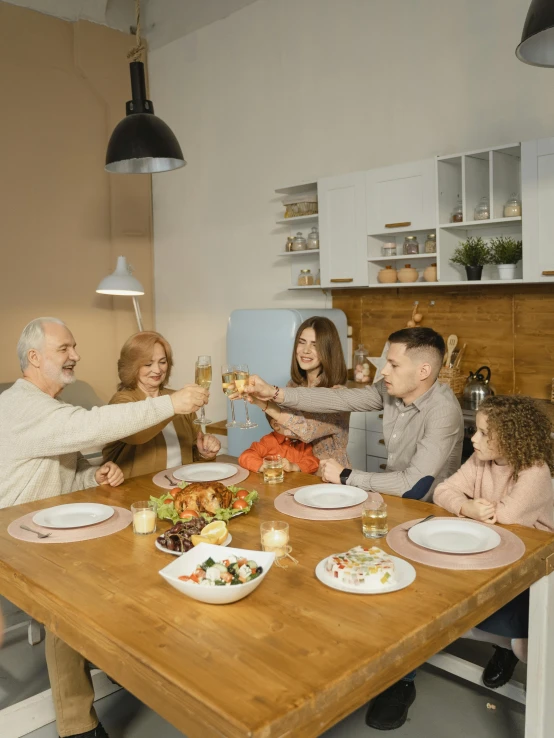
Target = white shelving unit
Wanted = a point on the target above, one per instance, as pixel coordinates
(308, 259)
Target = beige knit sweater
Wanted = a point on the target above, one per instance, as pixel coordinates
(529, 501)
(41, 438)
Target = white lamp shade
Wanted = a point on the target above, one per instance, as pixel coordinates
(120, 282)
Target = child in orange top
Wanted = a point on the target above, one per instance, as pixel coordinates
(297, 455)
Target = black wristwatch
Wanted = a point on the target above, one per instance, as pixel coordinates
(345, 473)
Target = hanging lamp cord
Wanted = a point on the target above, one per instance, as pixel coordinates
(136, 52)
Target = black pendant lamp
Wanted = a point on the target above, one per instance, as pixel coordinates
(142, 143)
(537, 39)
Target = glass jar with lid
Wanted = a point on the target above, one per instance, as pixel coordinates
(512, 209)
(305, 278)
(431, 243)
(312, 242)
(483, 210)
(361, 364)
(299, 242)
(411, 245)
(458, 213)
(388, 249)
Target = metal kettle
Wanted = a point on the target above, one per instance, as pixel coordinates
(477, 388)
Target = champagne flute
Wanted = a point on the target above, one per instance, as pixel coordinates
(242, 375)
(203, 377)
(228, 384)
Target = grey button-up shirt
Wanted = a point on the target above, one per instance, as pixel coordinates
(423, 440)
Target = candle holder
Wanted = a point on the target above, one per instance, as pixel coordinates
(144, 518)
(274, 536)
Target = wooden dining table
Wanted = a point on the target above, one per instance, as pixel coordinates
(293, 658)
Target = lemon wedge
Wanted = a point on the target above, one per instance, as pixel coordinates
(217, 527)
(210, 538)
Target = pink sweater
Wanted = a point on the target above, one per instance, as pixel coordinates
(529, 501)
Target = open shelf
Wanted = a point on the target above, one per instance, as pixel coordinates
(305, 252)
(309, 287)
(460, 283)
(297, 189)
(402, 257)
(474, 224)
(297, 219)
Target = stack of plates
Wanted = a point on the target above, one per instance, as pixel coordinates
(330, 496)
(74, 515)
(213, 472)
(454, 536)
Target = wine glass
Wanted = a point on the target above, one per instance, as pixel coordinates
(228, 384)
(242, 375)
(203, 377)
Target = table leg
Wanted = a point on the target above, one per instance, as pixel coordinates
(539, 713)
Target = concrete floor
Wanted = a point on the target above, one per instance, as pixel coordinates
(446, 707)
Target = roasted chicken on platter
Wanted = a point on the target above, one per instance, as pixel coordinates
(203, 497)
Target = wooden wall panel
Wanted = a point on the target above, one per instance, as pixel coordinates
(509, 328)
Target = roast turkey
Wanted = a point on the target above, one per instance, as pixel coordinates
(203, 497)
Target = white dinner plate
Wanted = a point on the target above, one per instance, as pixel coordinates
(330, 496)
(454, 536)
(403, 571)
(226, 542)
(75, 515)
(205, 472)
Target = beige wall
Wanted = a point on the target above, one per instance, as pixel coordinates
(286, 91)
(64, 219)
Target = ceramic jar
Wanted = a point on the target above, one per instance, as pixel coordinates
(430, 273)
(512, 209)
(407, 274)
(387, 275)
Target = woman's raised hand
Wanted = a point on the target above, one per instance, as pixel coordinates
(259, 389)
(189, 399)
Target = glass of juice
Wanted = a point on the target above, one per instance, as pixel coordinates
(374, 518)
(273, 469)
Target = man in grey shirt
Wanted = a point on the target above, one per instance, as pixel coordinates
(423, 429)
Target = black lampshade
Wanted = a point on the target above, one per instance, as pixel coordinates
(142, 143)
(537, 39)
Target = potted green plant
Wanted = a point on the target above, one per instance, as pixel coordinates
(473, 254)
(506, 252)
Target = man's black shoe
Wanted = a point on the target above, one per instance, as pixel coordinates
(500, 668)
(390, 709)
(97, 732)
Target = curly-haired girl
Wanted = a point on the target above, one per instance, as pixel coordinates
(507, 480)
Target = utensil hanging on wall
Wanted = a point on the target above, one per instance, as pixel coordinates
(451, 344)
(460, 356)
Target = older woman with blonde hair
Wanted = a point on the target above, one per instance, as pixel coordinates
(144, 368)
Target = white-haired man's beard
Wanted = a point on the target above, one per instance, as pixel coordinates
(63, 376)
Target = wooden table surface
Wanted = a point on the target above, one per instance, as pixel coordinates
(291, 659)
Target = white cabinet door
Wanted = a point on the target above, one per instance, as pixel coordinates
(537, 200)
(401, 197)
(375, 464)
(342, 231)
(356, 448)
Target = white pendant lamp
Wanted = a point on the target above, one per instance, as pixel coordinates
(122, 282)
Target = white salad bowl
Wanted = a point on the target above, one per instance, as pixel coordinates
(189, 561)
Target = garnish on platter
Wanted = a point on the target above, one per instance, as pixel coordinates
(206, 500)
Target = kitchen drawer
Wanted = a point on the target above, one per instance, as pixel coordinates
(357, 420)
(376, 445)
(374, 421)
(356, 448)
(375, 464)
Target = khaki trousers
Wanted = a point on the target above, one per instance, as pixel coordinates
(72, 690)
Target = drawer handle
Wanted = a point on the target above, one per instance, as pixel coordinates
(381, 416)
(399, 225)
(382, 466)
(548, 274)
(344, 279)
(382, 441)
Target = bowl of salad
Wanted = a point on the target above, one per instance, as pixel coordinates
(217, 576)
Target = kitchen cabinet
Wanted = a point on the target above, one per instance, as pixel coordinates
(342, 231)
(401, 198)
(537, 173)
(356, 448)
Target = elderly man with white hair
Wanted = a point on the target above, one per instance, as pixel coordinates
(41, 439)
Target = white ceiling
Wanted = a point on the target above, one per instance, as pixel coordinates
(163, 21)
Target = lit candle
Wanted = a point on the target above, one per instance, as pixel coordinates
(144, 521)
(276, 541)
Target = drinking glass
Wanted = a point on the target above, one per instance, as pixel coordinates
(144, 517)
(273, 469)
(228, 385)
(242, 375)
(374, 518)
(203, 377)
(274, 535)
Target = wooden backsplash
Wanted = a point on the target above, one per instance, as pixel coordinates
(509, 328)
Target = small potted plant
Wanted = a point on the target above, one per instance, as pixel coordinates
(506, 252)
(472, 254)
